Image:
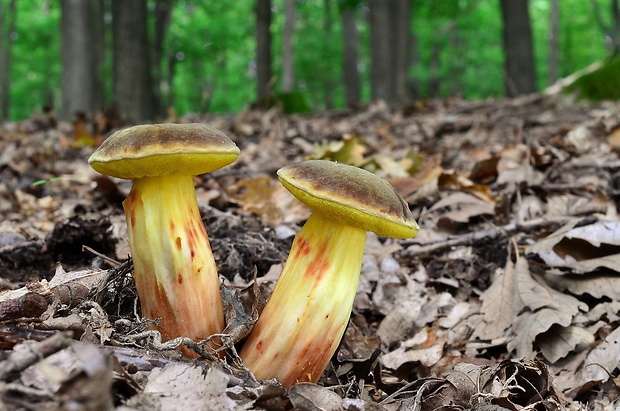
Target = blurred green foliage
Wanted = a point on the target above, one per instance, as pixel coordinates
(211, 46)
(35, 66)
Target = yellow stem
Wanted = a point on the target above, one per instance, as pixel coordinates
(174, 269)
(308, 311)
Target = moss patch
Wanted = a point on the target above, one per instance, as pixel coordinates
(601, 84)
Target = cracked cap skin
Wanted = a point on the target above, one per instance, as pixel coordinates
(350, 195)
(163, 149)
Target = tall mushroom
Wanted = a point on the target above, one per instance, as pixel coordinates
(174, 269)
(308, 311)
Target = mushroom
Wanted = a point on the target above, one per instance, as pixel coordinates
(304, 319)
(174, 269)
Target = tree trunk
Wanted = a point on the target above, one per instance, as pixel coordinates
(380, 55)
(163, 13)
(520, 71)
(554, 30)
(99, 31)
(263, 49)
(352, 82)
(400, 50)
(172, 65)
(328, 79)
(78, 80)
(611, 30)
(455, 87)
(133, 91)
(413, 84)
(433, 76)
(7, 28)
(351, 38)
(615, 28)
(390, 44)
(288, 59)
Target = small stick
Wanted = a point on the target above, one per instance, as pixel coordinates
(107, 259)
(202, 348)
(481, 235)
(11, 335)
(18, 361)
(29, 305)
(26, 391)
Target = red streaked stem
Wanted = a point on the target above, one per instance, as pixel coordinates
(174, 269)
(304, 320)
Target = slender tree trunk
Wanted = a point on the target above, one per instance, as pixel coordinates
(520, 71)
(263, 49)
(612, 29)
(99, 31)
(455, 87)
(163, 13)
(7, 28)
(433, 79)
(554, 30)
(328, 80)
(413, 84)
(288, 58)
(400, 48)
(380, 55)
(133, 91)
(78, 80)
(352, 82)
(172, 60)
(615, 28)
(390, 44)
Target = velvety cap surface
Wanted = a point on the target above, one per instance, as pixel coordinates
(351, 196)
(163, 149)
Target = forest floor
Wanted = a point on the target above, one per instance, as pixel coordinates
(507, 299)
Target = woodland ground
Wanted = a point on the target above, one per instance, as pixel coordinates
(508, 298)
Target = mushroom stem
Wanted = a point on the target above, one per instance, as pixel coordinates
(174, 269)
(308, 311)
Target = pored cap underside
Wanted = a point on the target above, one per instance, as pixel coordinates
(350, 195)
(163, 149)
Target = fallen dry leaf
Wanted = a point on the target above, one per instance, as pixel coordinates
(582, 249)
(268, 199)
(460, 207)
(603, 360)
(521, 305)
(349, 150)
(186, 386)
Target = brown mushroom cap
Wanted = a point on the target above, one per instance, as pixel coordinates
(350, 195)
(163, 149)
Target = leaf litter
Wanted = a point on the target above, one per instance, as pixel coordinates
(509, 297)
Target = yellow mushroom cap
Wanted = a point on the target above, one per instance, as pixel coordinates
(350, 195)
(163, 149)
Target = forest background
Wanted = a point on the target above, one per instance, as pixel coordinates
(144, 57)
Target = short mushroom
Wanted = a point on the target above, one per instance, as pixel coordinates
(304, 319)
(174, 269)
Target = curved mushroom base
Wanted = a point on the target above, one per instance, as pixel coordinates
(174, 270)
(308, 311)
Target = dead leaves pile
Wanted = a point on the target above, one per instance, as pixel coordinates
(509, 297)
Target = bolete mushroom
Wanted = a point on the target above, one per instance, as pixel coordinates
(174, 269)
(308, 311)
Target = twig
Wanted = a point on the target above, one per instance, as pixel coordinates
(28, 305)
(107, 259)
(27, 391)
(481, 235)
(202, 348)
(11, 335)
(156, 341)
(22, 359)
(404, 389)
